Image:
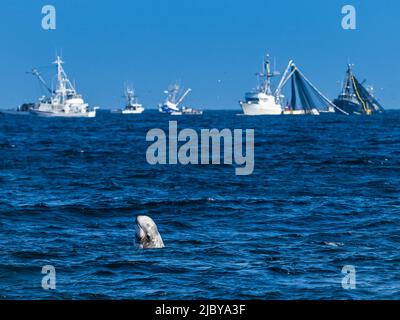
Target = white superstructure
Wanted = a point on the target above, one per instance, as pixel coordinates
(262, 101)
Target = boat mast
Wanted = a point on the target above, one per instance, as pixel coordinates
(64, 86)
(346, 91)
(130, 97)
(171, 93)
(268, 75)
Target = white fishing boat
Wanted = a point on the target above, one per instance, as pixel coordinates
(132, 104)
(172, 104)
(64, 101)
(261, 101)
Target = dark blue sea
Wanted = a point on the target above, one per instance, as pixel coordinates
(325, 193)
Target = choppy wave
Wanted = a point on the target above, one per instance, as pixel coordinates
(324, 194)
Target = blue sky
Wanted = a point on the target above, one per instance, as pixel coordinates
(213, 46)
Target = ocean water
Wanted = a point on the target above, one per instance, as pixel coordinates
(325, 193)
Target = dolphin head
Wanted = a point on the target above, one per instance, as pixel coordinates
(147, 235)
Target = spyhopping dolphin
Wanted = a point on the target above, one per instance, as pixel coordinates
(147, 235)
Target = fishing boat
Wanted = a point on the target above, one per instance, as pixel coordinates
(356, 99)
(64, 101)
(132, 104)
(191, 111)
(23, 109)
(172, 104)
(261, 101)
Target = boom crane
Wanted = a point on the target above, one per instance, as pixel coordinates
(36, 73)
(183, 97)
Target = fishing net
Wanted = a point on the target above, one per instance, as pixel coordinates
(306, 97)
(365, 97)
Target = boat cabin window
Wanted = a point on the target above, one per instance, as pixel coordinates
(253, 99)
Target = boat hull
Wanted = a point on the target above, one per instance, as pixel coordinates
(312, 112)
(349, 107)
(169, 109)
(46, 114)
(184, 113)
(193, 113)
(137, 111)
(269, 109)
(15, 113)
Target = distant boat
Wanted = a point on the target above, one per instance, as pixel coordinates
(173, 101)
(23, 109)
(132, 104)
(191, 111)
(355, 98)
(64, 101)
(261, 101)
